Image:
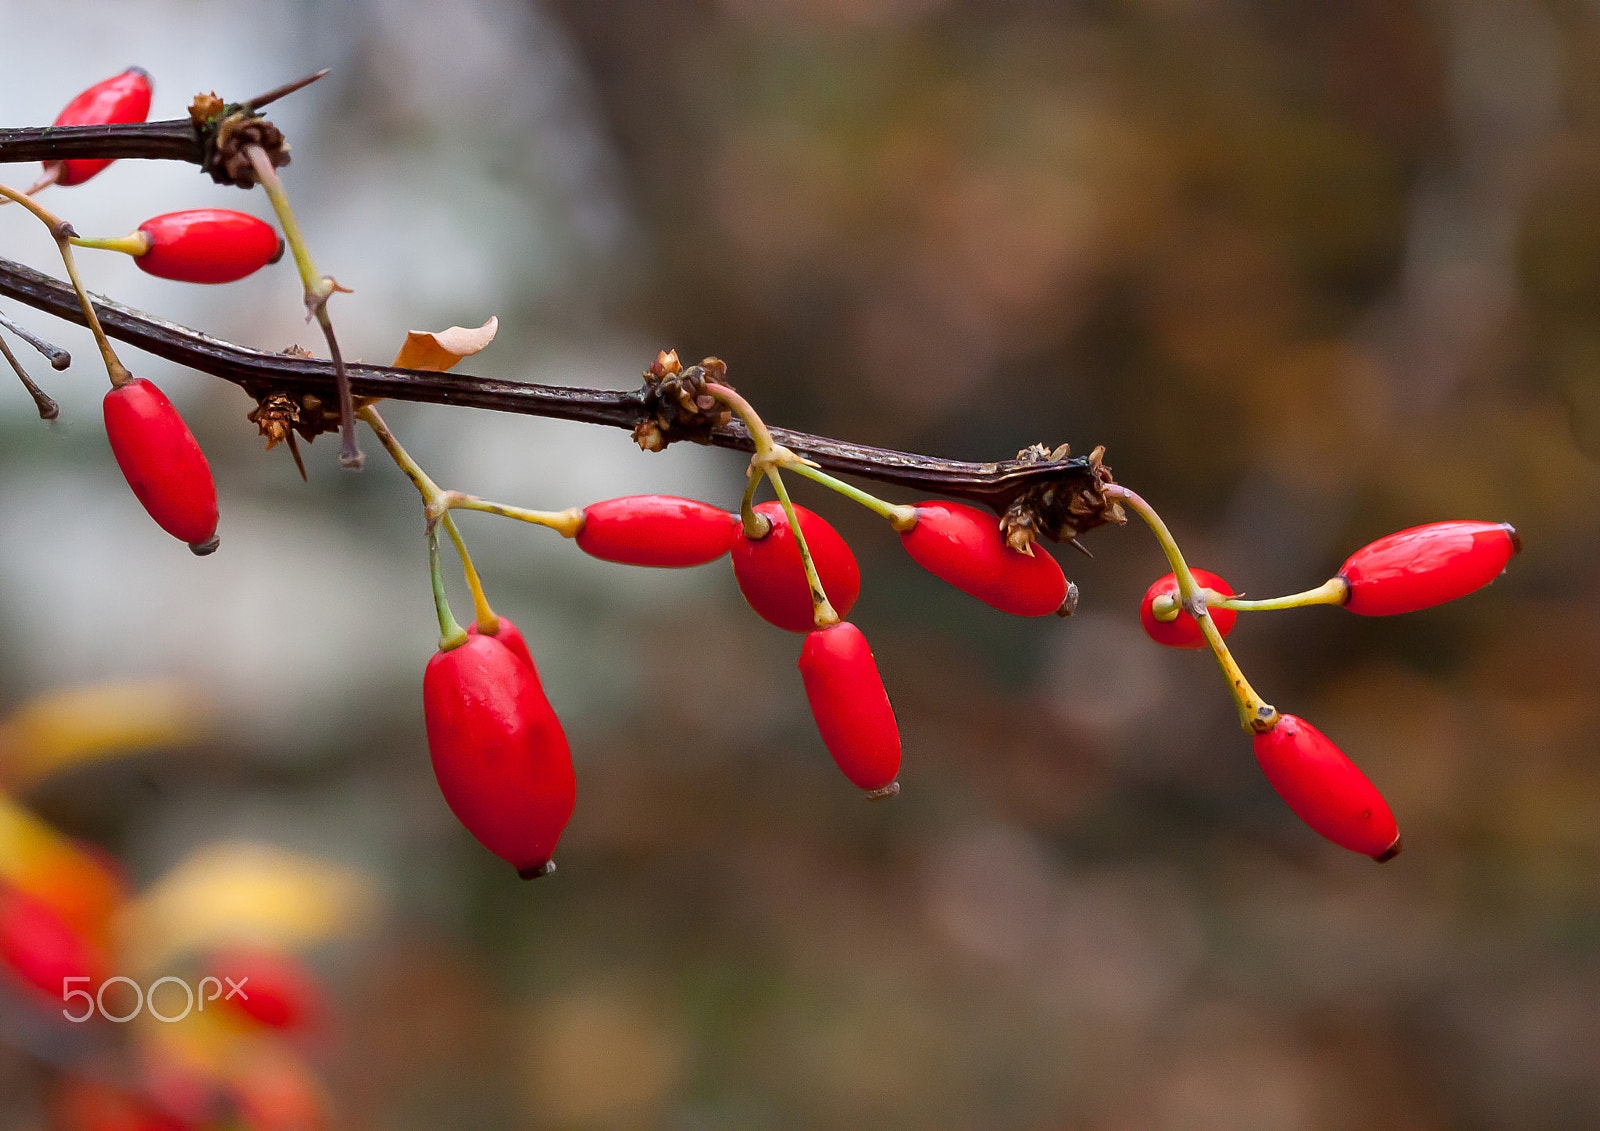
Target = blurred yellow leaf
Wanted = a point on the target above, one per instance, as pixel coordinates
(81, 724)
(56, 870)
(439, 350)
(244, 893)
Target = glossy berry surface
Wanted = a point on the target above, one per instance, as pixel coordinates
(511, 636)
(40, 947)
(121, 98)
(1426, 566)
(963, 545)
(208, 245)
(1184, 631)
(162, 462)
(656, 530)
(1325, 789)
(772, 579)
(850, 705)
(499, 753)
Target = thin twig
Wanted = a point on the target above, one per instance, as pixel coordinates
(58, 357)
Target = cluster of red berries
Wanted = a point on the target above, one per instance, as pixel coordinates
(499, 753)
(1402, 573)
(153, 446)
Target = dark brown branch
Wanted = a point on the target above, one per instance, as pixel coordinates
(176, 140)
(1058, 490)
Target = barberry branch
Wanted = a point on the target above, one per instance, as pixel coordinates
(1063, 494)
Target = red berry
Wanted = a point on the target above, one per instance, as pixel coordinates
(656, 530)
(1427, 565)
(208, 245)
(772, 579)
(122, 98)
(162, 462)
(511, 636)
(850, 705)
(41, 948)
(963, 545)
(1326, 790)
(499, 753)
(1184, 631)
(273, 988)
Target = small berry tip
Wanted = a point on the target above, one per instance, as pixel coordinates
(887, 793)
(537, 870)
(209, 546)
(277, 255)
(1516, 539)
(1389, 853)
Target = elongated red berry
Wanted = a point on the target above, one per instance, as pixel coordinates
(162, 462)
(499, 753)
(963, 545)
(1326, 790)
(1427, 565)
(1184, 631)
(207, 245)
(121, 98)
(656, 530)
(772, 579)
(850, 705)
(41, 948)
(511, 636)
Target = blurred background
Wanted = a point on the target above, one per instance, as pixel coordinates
(1312, 273)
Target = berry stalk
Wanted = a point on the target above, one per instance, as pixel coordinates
(318, 289)
(451, 634)
(767, 458)
(436, 509)
(62, 233)
(902, 518)
(1255, 713)
(1334, 591)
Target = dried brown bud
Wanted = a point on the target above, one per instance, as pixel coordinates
(648, 435)
(666, 363)
(227, 157)
(204, 108)
(678, 404)
(275, 416)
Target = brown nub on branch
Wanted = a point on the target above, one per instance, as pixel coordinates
(228, 144)
(676, 402)
(1060, 510)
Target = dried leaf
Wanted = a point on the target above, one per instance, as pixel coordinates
(437, 351)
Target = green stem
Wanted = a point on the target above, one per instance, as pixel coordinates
(1334, 591)
(823, 614)
(567, 523)
(756, 526)
(62, 233)
(759, 433)
(451, 634)
(318, 289)
(902, 518)
(437, 507)
(431, 494)
(134, 243)
(487, 621)
(1254, 712)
